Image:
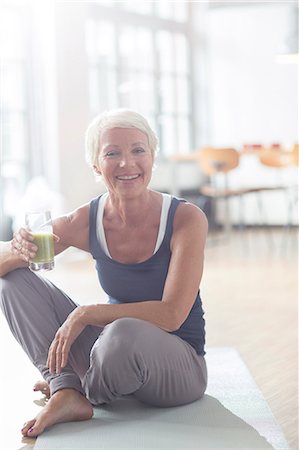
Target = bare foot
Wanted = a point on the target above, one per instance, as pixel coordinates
(43, 387)
(66, 405)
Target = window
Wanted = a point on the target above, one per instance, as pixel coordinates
(139, 57)
(14, 108)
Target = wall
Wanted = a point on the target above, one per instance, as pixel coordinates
(252, 98)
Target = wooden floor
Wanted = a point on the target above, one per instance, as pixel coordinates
(249, 292)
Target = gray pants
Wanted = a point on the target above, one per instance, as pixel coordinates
(127, 357)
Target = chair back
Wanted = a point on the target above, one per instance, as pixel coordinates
(296, 154)
(275, 158)
(214, 160)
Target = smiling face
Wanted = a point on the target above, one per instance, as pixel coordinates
(125, 161)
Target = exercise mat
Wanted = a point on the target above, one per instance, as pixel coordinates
(232, 415)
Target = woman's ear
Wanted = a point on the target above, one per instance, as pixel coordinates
(97, 170)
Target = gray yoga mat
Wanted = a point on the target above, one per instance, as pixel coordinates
(232, 415)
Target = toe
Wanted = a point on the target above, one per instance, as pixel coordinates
(27, 426)
(43, 387)
(39, 385)
(35, 429)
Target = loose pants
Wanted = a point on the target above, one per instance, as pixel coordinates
(126, 357)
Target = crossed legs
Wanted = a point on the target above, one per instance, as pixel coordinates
(128, 356)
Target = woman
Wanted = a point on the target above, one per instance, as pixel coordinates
(148, 340)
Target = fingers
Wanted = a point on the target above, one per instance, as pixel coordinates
(51, 361)
(58, 355)
(22, 245)
(58, 358)
(64, 354)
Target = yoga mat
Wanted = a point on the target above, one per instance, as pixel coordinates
(232, 415)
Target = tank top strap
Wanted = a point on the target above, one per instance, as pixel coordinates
(175, 201)
(95, 248)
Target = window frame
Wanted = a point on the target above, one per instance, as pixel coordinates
(118, 17)
(16, 171)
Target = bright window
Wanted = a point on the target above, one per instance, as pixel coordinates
(14, 107)
(139, 57)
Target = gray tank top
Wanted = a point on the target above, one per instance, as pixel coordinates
(126, 283)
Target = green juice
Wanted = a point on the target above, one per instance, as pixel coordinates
(45, 244)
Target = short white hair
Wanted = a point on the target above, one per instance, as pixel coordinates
(116, 118)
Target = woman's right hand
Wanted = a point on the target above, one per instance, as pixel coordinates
(22, 245)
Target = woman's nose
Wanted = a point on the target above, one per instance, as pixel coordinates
(125, 160)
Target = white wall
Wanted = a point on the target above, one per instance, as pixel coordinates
(252, 98)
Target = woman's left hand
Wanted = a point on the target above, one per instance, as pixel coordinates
(64, 338)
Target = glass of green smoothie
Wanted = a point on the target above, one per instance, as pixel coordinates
(40, 226)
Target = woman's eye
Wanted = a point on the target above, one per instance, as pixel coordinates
(139, 150)
(111, 154)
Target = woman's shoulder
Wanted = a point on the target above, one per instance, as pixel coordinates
(80, 215)
(72, 228)
(188, 216)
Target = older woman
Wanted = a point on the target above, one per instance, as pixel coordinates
(148, 340)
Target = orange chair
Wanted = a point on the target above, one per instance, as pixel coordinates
(295, 154)
(272, 157)
(279, 159)
(216, 162)
(293, 203)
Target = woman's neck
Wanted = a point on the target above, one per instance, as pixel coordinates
(132, 211)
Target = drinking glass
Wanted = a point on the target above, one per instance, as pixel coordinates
(40, 226)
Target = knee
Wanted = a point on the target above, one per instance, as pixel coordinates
(7, 283)
(11, 283)
(125, 331)
(118, 340)
(13, 279)
(16, 275)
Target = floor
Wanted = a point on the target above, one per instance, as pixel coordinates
(249, 290)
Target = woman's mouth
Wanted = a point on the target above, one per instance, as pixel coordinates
(127, 177)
